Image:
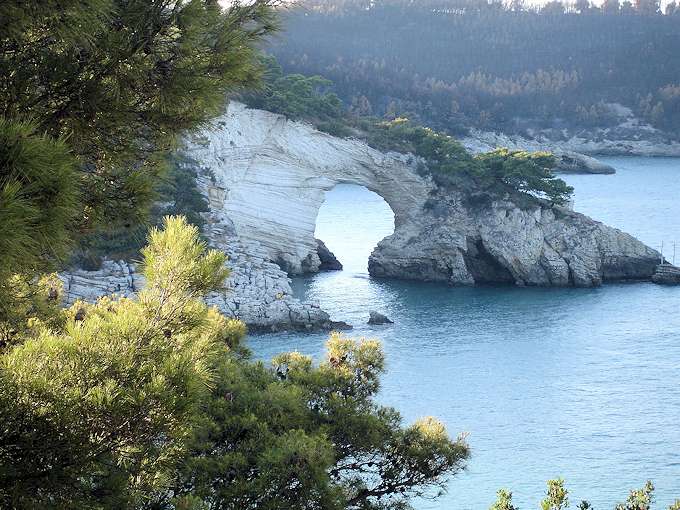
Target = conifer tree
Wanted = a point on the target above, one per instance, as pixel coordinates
(96, 410)
(115, 82)
(93, 96)
(153, 403)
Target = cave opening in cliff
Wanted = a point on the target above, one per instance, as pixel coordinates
(351, 222)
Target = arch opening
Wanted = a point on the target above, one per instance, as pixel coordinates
(351, 221)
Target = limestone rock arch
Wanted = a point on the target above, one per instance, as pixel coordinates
(268, 177)
(265, 178)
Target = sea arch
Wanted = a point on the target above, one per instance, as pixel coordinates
(266, 177)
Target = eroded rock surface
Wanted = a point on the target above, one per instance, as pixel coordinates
(666, 274)
(461, 244)
(265, 178)
(270, 176)
(328, 260)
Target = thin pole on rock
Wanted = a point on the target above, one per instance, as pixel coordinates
(673, 252)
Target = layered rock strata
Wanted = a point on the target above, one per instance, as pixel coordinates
(265, 178)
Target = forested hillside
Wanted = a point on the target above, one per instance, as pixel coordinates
(458, 64)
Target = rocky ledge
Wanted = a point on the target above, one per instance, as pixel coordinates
(462, 244)
(265, 178)
(666, 274)
(257, 291)
(575, 149)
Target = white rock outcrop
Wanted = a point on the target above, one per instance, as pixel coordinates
(630, 138)
(265, 178)
(270, 175)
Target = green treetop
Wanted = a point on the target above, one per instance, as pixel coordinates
(94, 94)
(116, 81)
(152, 403)
(96, 410)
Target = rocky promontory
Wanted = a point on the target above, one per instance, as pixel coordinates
(577, 149)
(265, 178)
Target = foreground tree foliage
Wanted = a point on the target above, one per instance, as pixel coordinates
(114, 82)
(95, 413)
(152, 403)
(94, 94)
(306, 436)
(37, 210)
(557, 498)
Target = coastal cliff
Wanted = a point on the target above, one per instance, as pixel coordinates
(575, 149)
(265, 178)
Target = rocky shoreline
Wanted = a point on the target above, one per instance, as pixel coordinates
(577, 152)
(265, 178)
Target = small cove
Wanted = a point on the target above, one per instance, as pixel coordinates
(578, 383)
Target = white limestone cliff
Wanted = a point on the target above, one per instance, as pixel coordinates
(270, 176)
(265, 178)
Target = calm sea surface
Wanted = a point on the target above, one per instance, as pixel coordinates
(578, 383)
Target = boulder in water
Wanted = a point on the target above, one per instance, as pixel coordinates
(667, 274)
(376, 318)
(328, 260)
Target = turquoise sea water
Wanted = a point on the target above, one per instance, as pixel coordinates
(578, 383)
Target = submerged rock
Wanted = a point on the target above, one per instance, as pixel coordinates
(376, 318)
(328, 260)
(337, 326)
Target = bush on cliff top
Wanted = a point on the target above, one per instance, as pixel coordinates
(498, 172)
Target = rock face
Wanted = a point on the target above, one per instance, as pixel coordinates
(377, 319)
(114, 277)
(328, 261)
(270, 176)
(265, 178)
(257, 292)
(269, 180)
(500, 243)
(667, 274)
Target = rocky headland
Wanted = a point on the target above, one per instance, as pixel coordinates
(577, 150)
(265, 178)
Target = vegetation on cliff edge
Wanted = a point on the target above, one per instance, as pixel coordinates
(497, 173)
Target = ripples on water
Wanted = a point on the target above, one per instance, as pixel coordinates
(578, 383)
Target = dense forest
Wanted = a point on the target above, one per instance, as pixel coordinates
(458, 64)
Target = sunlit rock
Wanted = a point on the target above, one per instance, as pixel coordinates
(265, 178)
